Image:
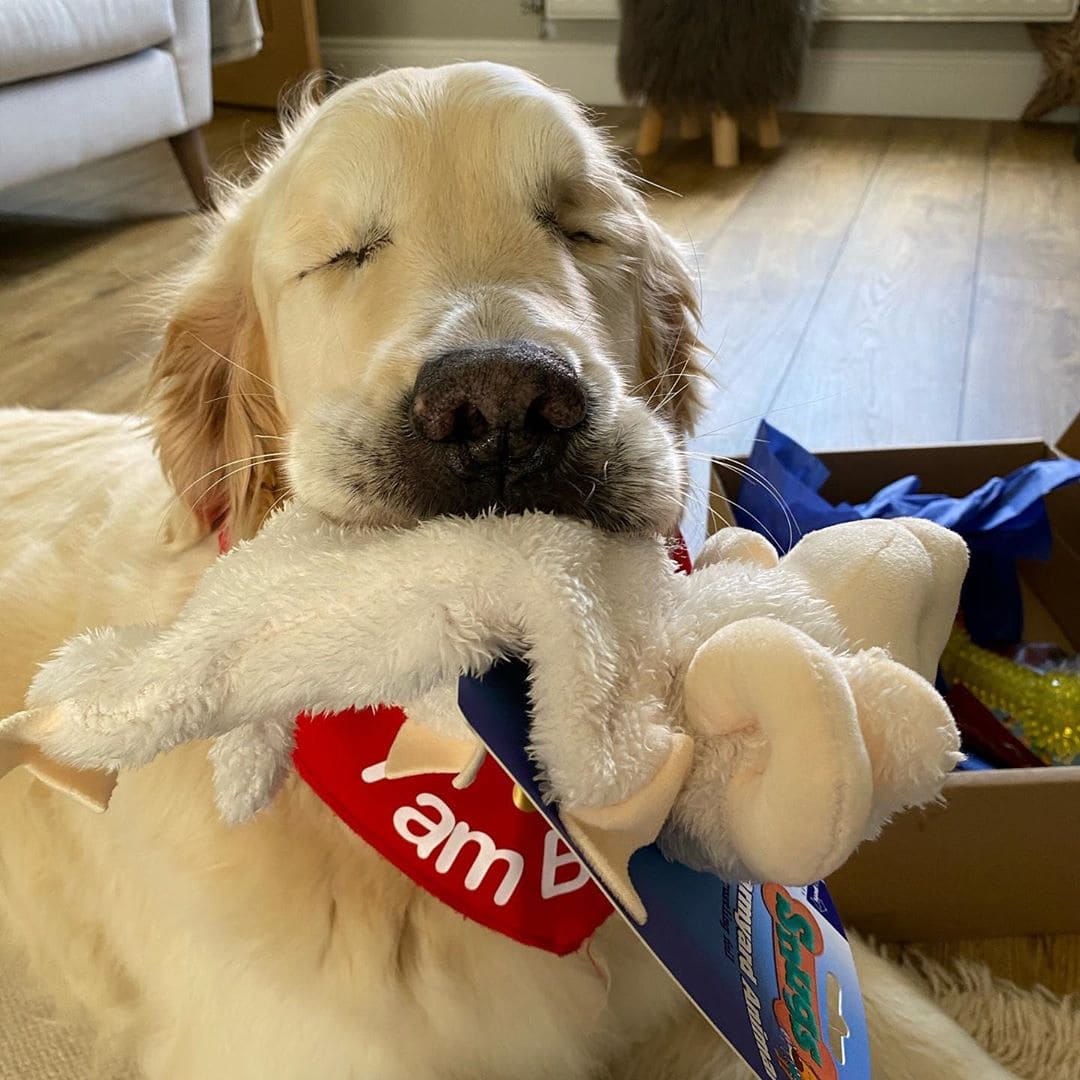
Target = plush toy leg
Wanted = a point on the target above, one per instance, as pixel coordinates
(609, 835)
(251, 763)
(725, 140)
(909, 732)
(795, 810)
(894, 584)
(737, 545)
(649, 132)
(91, 787)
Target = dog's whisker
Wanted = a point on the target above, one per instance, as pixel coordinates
(754, 476)
(228, 360)
(683, 373)
(221, 480)
(278, 501)
(235, 394)
(757, 417)
(243, 463)
(638, 178)
(697, 264)
(749, 473)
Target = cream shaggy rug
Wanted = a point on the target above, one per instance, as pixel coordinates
(1034, 1033)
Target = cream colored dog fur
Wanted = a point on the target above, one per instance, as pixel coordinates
(285, 948)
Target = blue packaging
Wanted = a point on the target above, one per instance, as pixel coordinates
(768, 966)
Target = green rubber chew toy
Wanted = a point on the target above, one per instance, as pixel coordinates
(1042, 709)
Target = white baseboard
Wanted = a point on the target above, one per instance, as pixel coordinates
(977, 85)
(873, 10)
(586, 70)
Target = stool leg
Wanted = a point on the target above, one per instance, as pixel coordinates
(690, 125)
(649, 132)
(768, 129)
(725, 140)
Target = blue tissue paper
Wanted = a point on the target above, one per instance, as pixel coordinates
(1003, 520)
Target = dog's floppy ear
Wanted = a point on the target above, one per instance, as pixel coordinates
(212, 406)
(672, 375)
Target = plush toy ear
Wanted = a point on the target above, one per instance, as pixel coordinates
(948, 554)
(909, 733)
(609, 835)
(893, 584)
(796, 802)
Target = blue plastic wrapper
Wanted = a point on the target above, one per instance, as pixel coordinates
(1003, 520)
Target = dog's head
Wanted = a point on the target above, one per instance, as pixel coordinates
(442, 295)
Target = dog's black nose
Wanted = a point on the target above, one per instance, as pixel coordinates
(499, 411)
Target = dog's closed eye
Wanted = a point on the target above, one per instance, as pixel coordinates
(550, 220)
(352, 256)
(580, 236)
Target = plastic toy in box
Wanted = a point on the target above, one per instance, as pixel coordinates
(1035, 693)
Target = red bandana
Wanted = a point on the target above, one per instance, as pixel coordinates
(471, 848)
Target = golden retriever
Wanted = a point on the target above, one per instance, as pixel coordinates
(440, 294)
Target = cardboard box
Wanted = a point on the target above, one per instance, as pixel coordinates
(1001, 855)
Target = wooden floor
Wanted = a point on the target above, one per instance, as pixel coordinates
(81, 255)
(888, 281)
(878, 281)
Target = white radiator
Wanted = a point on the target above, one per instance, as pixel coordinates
(914, 10)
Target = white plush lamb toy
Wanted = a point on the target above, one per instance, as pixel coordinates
(761, 716)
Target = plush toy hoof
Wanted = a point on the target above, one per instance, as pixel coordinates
(797, 802)
(18, 747)
(609, 835)
(419, 751)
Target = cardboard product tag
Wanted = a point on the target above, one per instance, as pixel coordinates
(768, 966)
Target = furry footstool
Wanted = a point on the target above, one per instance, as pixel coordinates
(731, 58)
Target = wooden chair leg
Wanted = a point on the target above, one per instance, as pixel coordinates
(690, 125)
(768, 129)
(652, 127)
(189, 149)
(725, 140)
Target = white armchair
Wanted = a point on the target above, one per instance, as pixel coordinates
(83, 80)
